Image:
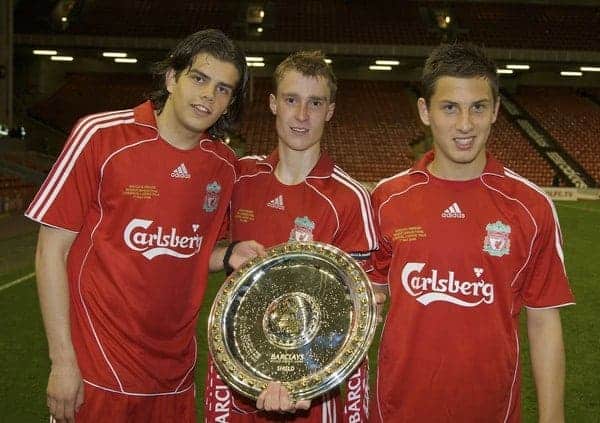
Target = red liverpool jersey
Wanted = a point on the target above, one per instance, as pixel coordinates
(147, 216)
(461, 258)
(328, 206)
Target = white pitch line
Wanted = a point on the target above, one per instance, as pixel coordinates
(17, 281)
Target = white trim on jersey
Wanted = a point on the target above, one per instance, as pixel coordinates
(377, 383)
(191, 369)
(328, 410)
(337, 218)
(550, 307)
(515, 374)
(214, 153)
(63, 167)
(54, 226)
(397, 175)
(139, 394)
(364, 201)
(255, 157)
(259, 172)
(530, 216)
(91, 246)
(558, 233)
(400, 193)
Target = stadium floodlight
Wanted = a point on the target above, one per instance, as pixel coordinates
(255, 64)
(255, 59)
(571, 73)
(518, 67)
(64, 19)
(328, 61)
(590, 68)
(113, 54)
(125, 60)
(62, 58)
(380, 68)
(45, 52)
(505, 71)
(387, 62)
(259, 29)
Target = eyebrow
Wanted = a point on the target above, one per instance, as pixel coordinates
(483, 100)
(200, 73)
(312, 98)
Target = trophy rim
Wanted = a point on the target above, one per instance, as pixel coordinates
(360, 335)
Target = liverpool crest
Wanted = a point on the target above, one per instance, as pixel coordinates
(211, 199)
(303, 229)
(497, 240)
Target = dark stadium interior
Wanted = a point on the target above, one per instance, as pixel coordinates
(375, 132)
(548, 128)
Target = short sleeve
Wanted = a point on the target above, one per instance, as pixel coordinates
(381, 258)
(545, 280)
(356, 234)
(70, 189)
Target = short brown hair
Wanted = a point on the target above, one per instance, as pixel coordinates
(459, 60)
(308, 63)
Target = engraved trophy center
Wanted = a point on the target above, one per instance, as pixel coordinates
(292, 320)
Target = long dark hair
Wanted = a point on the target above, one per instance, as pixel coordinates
(181, 58)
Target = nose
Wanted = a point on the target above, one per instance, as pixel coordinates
(302, 112)
(464, 123)
(208, 92)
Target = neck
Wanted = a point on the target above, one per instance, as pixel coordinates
(172, 131)
(294, 166)
(457, 171)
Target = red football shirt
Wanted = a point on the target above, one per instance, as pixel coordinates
(328, 206)
(147, 216)
(461, 258)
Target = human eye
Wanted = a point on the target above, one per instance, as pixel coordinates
(290, 99)
(479, 107)
(198, 78)
(316, 103)
(449, 108)
(221, 89)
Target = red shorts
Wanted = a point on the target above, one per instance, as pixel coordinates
(105, 406)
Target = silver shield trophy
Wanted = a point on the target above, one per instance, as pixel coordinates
(303, 315)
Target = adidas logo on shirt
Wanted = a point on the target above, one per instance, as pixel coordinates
(276, 203)
(453, 212)
(181, 172)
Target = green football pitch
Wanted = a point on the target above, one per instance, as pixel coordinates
(24, 354)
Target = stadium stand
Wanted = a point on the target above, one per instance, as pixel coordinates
(375, 123)
(509, 145)
(560, 27)
(369, 135)
(84, 94)
(14, 193)
(573, 120)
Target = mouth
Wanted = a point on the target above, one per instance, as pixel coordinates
(298, 130)
(201, 109)
(464, 143)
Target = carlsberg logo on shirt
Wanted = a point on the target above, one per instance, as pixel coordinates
(157, 241)
(431, 287)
